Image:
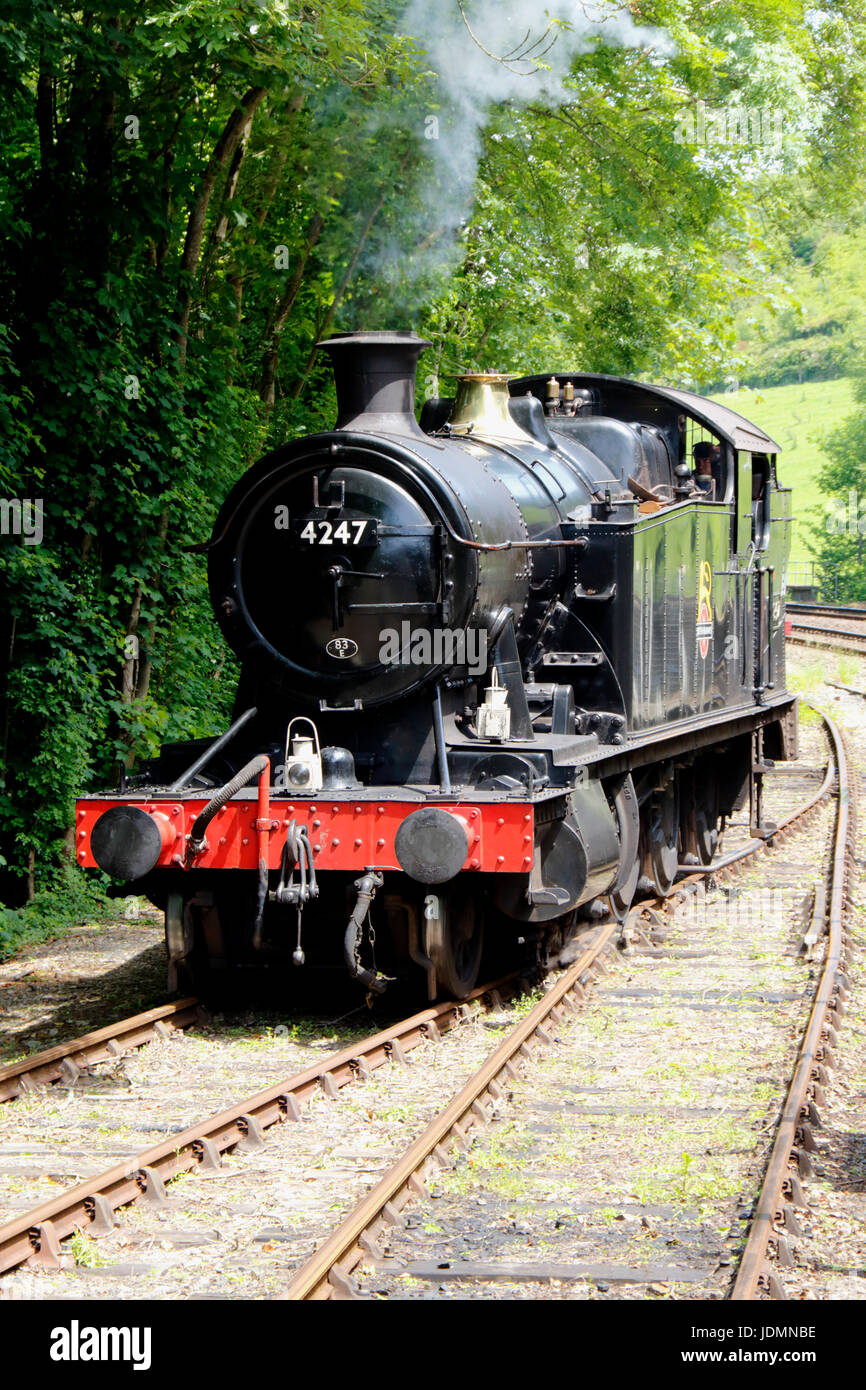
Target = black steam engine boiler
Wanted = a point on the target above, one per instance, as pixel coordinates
(497, 666)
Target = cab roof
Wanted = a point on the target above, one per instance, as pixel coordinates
(625, 398)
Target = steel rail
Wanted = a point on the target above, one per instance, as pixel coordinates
(826, 610)
(36, 1234)
(833, 638)
(844, 633)
(789, 1161)
(330, 1266)
(65, 1060)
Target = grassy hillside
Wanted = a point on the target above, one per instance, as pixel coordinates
(796, 417)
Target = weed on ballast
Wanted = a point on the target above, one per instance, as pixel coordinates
(85, 1251)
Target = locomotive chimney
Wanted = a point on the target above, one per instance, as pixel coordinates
(375, 378)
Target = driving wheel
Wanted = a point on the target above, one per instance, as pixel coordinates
(627, 811)
(707, 824)
(621, 899)
(661, 840)
(453, 940)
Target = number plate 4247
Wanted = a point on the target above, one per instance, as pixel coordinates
(319, 531)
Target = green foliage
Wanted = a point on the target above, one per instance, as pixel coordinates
(86, 1252)
(69, 900)
(819, 333)
(799, 418)
(815, 227)
(839, 539)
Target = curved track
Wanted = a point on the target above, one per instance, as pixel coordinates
(328, 1273)
(774, 1217)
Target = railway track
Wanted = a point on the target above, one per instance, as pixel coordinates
(35, 1237)
(331, 1270)
(775, 1217)
(65, 1061)
(827, 637)
(827, 610)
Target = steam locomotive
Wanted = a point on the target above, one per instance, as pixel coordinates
(497, 667)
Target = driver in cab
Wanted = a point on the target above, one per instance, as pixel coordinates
(702, 475)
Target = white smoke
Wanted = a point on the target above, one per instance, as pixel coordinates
(517, 53)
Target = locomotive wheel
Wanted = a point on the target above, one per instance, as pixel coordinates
(454, 941)
(706, 836)
(621, 900)
(661, 841)
(558, 942)
(628, 824)
(194, 927)
(706, 826)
